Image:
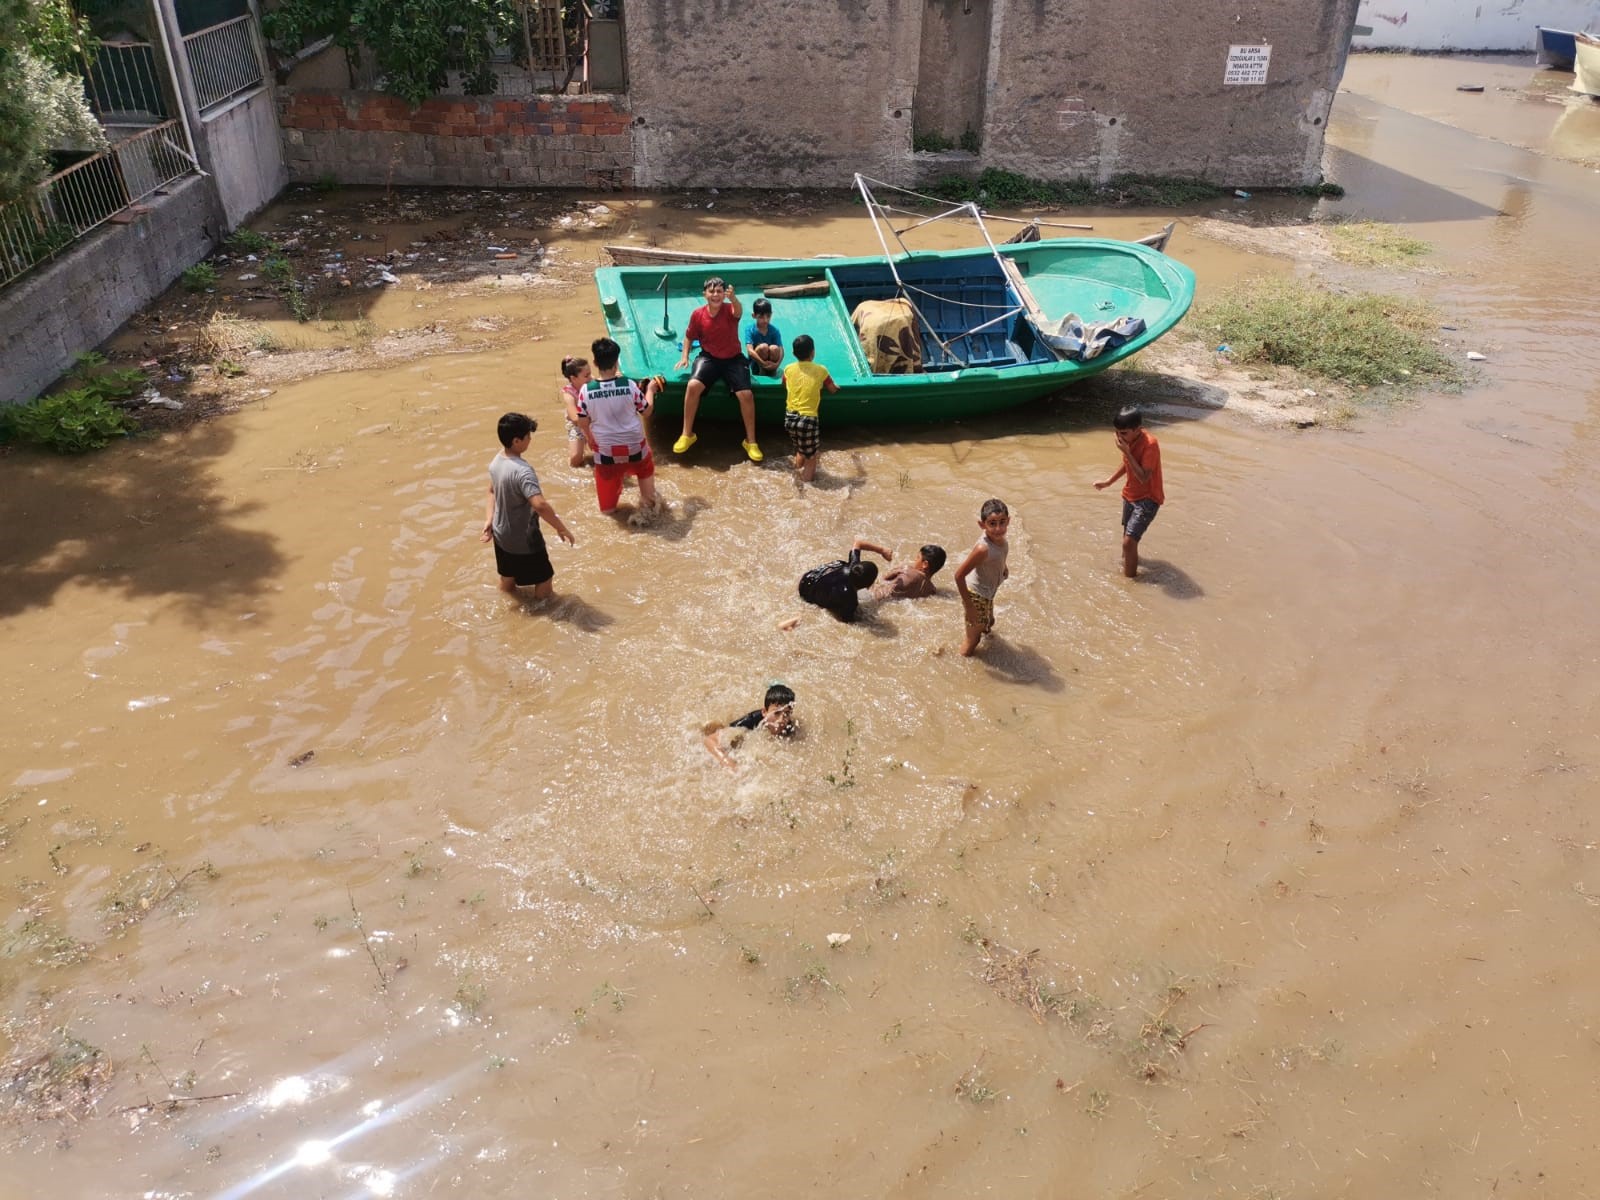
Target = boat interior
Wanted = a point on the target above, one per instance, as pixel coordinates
(975, 318)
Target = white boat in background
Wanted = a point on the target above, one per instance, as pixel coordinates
(1586, 65)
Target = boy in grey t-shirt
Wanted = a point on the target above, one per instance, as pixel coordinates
(511, 518)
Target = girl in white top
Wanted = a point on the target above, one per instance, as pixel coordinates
(574, 373)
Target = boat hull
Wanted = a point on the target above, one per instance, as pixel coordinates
(995, 368)
(1586, 67)
(1554, 48)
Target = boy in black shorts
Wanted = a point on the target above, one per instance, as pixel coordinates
(511, 518)
(834, 585)
(715, 325)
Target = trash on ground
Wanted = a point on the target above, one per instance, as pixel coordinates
(1474, 356)
(1241, 193)
(836, 940)
(1469, 87)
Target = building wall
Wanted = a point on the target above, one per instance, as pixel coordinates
(1468, 24)
(75, 302)
(784, 93)
(245, 153)
(806, 92)
(1072, 94)
(479, 141)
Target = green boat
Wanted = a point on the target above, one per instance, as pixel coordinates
(979, 329)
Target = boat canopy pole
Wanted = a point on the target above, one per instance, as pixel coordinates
(875, 211)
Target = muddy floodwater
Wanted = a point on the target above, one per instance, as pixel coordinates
(330, 871)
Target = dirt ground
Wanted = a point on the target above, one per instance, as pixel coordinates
(476, 255)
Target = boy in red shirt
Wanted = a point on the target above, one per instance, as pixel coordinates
(715, 325)
(1142, 495)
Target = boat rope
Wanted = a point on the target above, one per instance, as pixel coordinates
(906, 287)
(987, 216)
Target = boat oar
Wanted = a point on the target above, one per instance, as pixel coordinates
(665, 332)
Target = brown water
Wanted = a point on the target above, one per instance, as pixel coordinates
(1298, 824)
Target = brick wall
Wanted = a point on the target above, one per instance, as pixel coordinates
(369, 137)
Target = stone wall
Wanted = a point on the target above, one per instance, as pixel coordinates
(242, 148)
(78, 300)
(1075, 94)
(784, 93)
(480, 141)
(789, 93)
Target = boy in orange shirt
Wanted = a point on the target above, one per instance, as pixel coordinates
(1142, 495)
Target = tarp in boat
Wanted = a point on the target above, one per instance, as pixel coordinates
(888, 333)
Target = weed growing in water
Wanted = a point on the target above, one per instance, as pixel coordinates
(971, 1087)
(247, 241)
(469, 998)
(750, 954)
(1366, 340)
(1097, 1103)
(845, 776)
(199, 277)
(604, 994)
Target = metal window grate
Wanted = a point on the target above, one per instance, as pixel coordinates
(224, 61)
(123, 85)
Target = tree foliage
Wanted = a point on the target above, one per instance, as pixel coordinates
(414, 42)
(43, 46)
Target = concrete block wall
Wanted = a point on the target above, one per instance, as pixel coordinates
(780, 94)
(480, 141)
(1075, 92)
(791, 93)
(76, 301)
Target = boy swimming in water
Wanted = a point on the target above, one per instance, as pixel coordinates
(776, 716)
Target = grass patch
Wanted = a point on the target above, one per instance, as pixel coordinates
(1374, 244)
(1365, 340)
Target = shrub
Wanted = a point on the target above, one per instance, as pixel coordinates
(247, 241)
(200, 277)
(70, 422)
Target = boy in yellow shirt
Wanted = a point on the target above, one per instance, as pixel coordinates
(804, 382)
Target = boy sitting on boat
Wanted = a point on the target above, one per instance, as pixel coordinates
(762, 341)
(715, 326)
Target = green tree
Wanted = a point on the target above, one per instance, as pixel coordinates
(43, 45)
(413, 42)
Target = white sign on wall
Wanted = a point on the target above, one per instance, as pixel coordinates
(1247, 64)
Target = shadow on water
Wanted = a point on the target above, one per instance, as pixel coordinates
(1010, 662)
(147, 520)
(568, 609)
(1173, 580)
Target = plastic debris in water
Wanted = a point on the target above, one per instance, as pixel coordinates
(835, 940)
(1474, 356)
(1241, 193)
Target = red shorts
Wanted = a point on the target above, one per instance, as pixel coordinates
(608, 477)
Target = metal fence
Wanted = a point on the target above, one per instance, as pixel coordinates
(87, 194)
(224, 61)
(123, 85)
